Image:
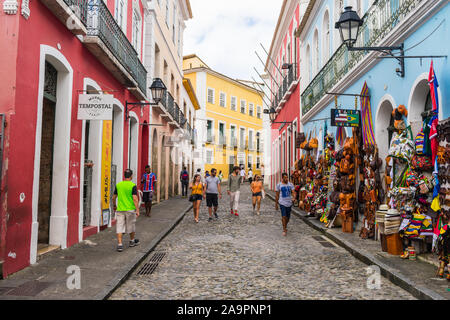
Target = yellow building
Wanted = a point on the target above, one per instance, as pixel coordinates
(229, 123)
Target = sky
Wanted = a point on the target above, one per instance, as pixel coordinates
(226, 33)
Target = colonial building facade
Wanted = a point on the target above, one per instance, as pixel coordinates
(229, 123)
(283, 67)
(328, 66)
(58, 172)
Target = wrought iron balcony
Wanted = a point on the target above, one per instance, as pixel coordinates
(72, 13)
(381, 18)
(285, 86)
(114, 50)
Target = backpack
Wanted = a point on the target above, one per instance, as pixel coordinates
(184, 176)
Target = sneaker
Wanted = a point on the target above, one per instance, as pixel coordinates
(232, 212)
(134, 242)
(258, 213)
(120, 247)
(236, 213)
(210, 219)
(215, 215)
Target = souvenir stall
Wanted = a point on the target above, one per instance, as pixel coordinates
(441, 236)
(408, 224)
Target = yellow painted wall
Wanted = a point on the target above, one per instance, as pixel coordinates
(228, 116)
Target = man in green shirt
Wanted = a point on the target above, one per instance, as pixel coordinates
(127, 209)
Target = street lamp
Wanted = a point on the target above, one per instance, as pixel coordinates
(273, 115)
(349, 24)
(158, 90)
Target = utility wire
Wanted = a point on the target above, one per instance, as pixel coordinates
(442, 22)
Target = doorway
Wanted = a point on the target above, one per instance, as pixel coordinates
(46, 157)
(163, 169)
(154, 165)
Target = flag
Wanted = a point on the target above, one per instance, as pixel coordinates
(366, 112)
(340, 135)
(434, 85)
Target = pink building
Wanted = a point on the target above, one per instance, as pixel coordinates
(283, 67)
(52, 184)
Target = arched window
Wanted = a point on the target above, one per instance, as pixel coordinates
(338, 8)
(326, 37)
(308, 64)
(316, 52)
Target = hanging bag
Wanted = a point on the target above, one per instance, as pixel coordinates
(402, 146)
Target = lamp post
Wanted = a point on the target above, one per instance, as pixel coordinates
(349, 24)
(273, 115)
(158, 90)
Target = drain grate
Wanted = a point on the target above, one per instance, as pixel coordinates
(150, 266)
(324, 242)
(29, 289)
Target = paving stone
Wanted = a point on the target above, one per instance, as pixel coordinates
(247, 257)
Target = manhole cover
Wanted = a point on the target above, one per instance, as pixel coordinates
(29, 289)
(4, 290)
(150, 266)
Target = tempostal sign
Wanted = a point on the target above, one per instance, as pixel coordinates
(95, 106)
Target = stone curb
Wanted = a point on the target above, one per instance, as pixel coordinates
(123, 275)
(395, 277)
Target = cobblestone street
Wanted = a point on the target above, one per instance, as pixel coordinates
(247, 257)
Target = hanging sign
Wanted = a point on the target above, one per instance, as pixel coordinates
(95, 106)
(106, 171)
(344, 118)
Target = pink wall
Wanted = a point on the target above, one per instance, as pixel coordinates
(22, 85)
(291, 109)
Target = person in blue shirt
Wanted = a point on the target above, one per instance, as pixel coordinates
(148, 186)
(285, 194)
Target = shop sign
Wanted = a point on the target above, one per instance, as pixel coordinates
(95, 106)
(345, 118)
(106, 171)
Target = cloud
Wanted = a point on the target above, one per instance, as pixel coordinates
(226, 33)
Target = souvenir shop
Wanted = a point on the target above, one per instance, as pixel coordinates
(402, 200)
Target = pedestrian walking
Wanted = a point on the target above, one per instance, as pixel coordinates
(207, 174)
(234, 185)
(197, 188)
(242, 173)
(220, 176)
(148, 186)
(213, 193)
(257, 188)
(284, 197)
(199, 172)
(250, 175)
(184, 179)
(127, 210)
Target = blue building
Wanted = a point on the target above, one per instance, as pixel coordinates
(326, 65)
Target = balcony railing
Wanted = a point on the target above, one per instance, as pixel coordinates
(285, 85)
(102, 24)
(79, 8)
(381, 18)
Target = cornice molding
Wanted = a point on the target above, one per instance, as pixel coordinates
(10, 6)
(25, 9)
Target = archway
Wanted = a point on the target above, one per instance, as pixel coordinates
(419, 101)
(171, 172)
(58, 182)
(163, 170)
(383, 121)
(133, 145)
(154, 164)
(144, 149)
